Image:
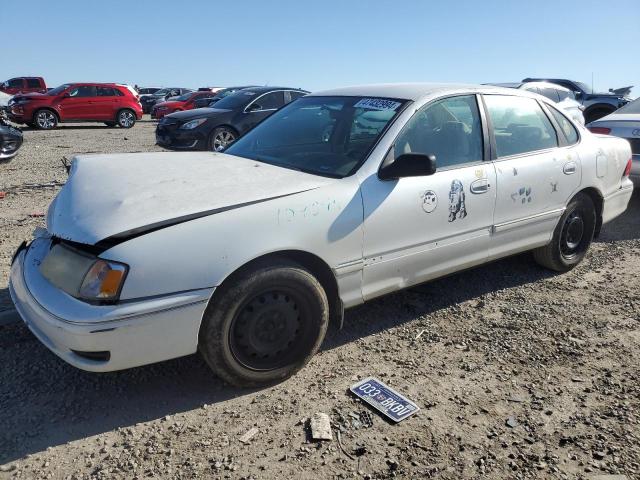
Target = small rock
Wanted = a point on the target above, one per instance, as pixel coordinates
(511, 422)
(7, 468)
(246, 438)
(320, 427)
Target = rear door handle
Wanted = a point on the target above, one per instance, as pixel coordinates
(569, 168)
(480, 186)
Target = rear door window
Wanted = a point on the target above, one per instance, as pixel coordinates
(33, 83)
(570, 132)
(105, 92)
(519, 125)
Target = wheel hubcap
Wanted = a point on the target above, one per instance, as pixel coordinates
(572, 234)
(126, 119)
(222, 139)
(264, 333)
(45, 120)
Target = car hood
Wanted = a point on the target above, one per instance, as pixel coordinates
(198, 113)
(110, 198)
(32, 96)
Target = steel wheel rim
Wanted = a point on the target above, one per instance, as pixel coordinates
(572, 236)
(45, 119)
(126, 119)
(268, 331)
(222, 139)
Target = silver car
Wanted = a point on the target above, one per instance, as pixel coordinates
(624, 123)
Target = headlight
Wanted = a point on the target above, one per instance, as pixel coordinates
(193, 124)
(82, 275)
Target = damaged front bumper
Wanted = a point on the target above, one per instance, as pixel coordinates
(103, 338)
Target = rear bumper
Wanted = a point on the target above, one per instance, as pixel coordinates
(616, 203)
(126, 335)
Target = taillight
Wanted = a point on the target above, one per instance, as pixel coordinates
(627, 169)
(601, 130)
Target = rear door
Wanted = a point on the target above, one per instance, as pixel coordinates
(537, 173)
(105, 103)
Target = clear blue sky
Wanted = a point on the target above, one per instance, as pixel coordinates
(320, 44)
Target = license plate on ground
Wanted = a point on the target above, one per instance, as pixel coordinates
(384, 399)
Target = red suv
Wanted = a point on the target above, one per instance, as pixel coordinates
(110, 103)
(183, 102)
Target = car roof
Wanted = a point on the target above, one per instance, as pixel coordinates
(268, 89)
(545, 85)
(414, 91)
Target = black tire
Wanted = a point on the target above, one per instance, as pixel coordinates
(31, 125)
(571, 237)
(221, 137)
(264, 325)
(45, 119)
(596, 114)
(126, 118)
(110, 124)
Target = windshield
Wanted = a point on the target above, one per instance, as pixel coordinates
(182, 98)
(58, 90)
(631, 107)
(163, 92)
(237, 99)
(329, 136)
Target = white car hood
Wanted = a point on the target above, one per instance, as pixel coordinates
(118, 196)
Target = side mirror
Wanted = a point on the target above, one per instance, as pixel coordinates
(254, 107)
(408, 165)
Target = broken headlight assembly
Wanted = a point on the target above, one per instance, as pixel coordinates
(83, 275)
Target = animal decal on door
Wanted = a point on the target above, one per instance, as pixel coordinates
(429, 201)
(457, 208)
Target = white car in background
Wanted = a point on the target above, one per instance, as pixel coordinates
(564, 97)
(623, 123)
(335, 199)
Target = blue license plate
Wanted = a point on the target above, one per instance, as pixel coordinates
(384, 399)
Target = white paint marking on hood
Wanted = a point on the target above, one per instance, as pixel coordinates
(110, 194)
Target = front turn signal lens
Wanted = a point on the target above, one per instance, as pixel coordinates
(103, 281)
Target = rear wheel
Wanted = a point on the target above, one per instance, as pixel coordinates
(220, 138)
(126, 118)
(572, 236)
(265, 325)
(45, 119)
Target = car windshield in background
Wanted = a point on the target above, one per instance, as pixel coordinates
(236, 99)
(56, 91)
(183, 98)
(163, 92)
(328, 136)
(586, 88)
(631, 107)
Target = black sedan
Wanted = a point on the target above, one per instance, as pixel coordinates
(10, 141)
(233, 116)
(219, 95)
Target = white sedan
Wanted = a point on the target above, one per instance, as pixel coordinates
(337, 198)
(623, 123)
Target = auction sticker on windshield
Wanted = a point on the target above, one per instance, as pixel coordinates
(377, 104)
(384, 399)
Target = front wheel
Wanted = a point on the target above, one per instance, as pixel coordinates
(221, 137)
(126, 118)
(45, 119)
(265, 325)
(571, 237)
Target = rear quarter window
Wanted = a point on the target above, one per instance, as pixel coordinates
(569, 131)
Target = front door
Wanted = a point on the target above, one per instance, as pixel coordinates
(419, 228)
(535, 178)
(261, 108)
(78, 105)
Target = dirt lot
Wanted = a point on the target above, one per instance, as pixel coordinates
(520, 373)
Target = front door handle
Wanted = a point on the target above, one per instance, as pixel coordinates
(480, 186)
(569, 168)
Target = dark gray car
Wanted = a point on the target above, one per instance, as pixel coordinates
(597, 105)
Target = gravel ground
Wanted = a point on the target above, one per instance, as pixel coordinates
(520, 373)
